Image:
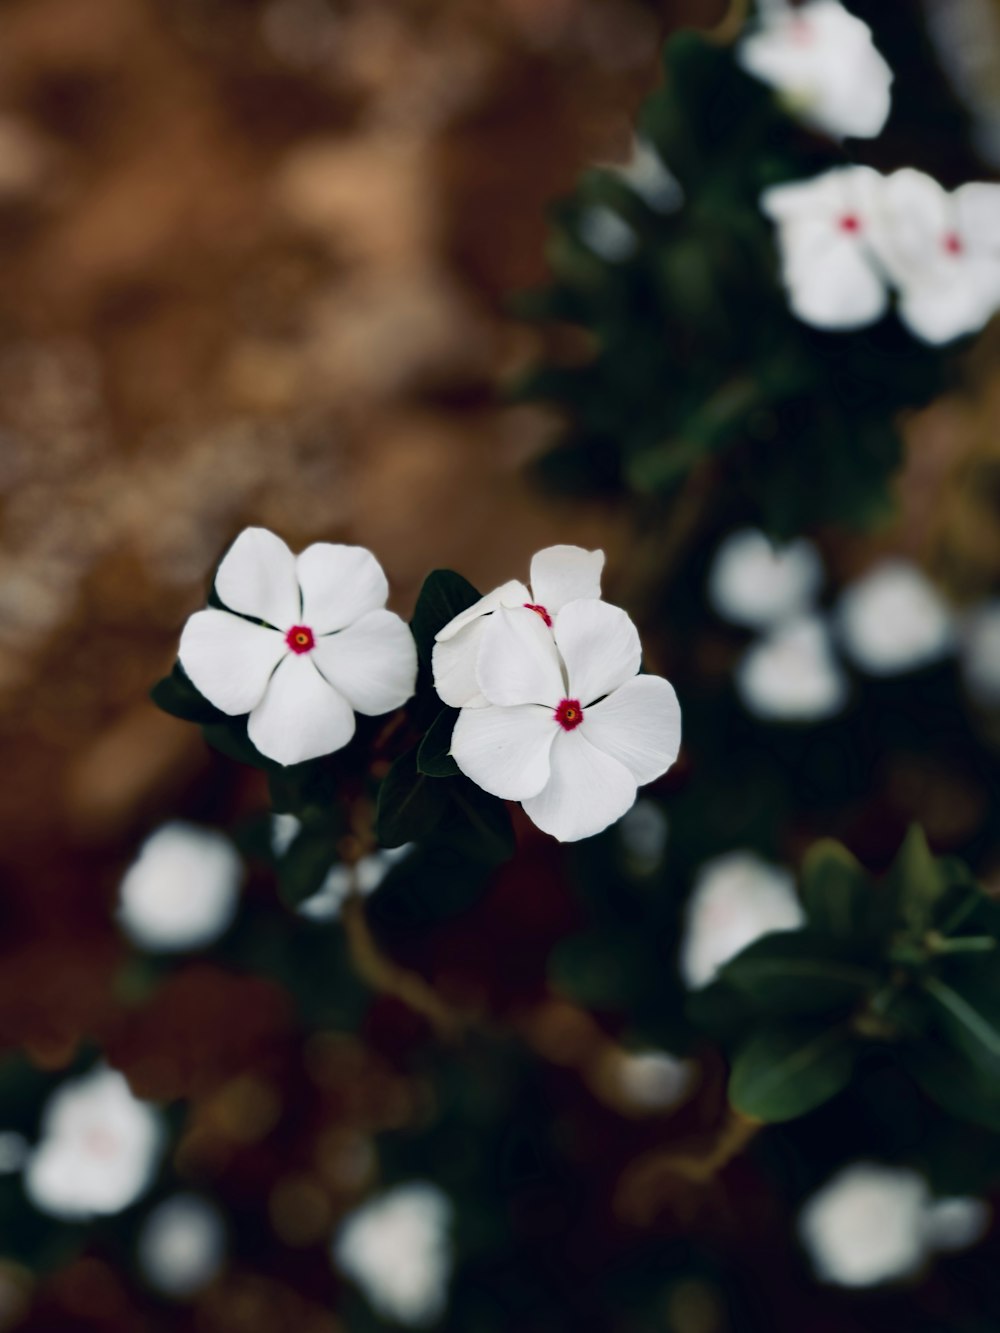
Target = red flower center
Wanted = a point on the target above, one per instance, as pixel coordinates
(539, 611)
(569, 714)
(952, 243)
(300, 639)
(850, 223)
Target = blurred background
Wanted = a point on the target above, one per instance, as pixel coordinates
(257, 260)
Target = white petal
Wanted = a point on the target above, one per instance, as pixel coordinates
(865, 1226)
(562, 574)
(229, 659)
(977, 208)
(508, 594)
(257, 578)
(914, 217)
(941, 306)
(505, 750)
(453, 662)
(518, 662)
(600, 647)
(373, 663)
(639, 724)
(182, 890)
(893, 619)
(831, 280)
(301, 716)
(339, 584)
(752, 582)
(791, 674)
(587, 790)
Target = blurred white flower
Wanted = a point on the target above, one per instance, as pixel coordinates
(182, 1245)
(823, 62)
(755, 583)
(397, 1247)
(980, 653)
(873, 1224)
(364, 877)
(571, 730)
(655, 1080)
(182, 889)
(736, 899)
(284, 830)
(607, 234)
(942, 250)
(826, 227)
(306, 642)
(99, 1148)
(559, 574)
(792, 675)
(651, 178)
(892, 620)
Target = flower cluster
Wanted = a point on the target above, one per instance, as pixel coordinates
(850, 236)
(554, 712)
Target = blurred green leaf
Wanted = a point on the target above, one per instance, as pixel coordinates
(410, 805)
(443, 596)
(304, 867)
(434, 754)
(176, 695)
(917, 882)
(782, 1073)
(797, 972)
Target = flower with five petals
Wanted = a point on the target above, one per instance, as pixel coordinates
(304, 644)
(568, 727)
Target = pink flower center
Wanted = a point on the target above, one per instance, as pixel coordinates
(569, 714)
(300, 639)
(850, 223)
(539, 611)
(952, 243)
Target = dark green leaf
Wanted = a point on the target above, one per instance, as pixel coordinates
(797, 972)
(304, 867)
(478, 824)
(176, 695)
(444, 595)
(230, 738)
(434, 757)
(782, 1073)
(410, 805)
(917, 881)
(970, 1023)
(835, 890)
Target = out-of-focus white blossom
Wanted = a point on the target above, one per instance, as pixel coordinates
(980, 653)
(182, 890)
(892, 620)
(651, 178)
(823, 62)
(364, 877)
(655, 1080)
(285, 829)
(792, 675)
(755, 583)
(182, 1245)
(736, 899)
(99, 1149)
(607, 234)
(872, 1224)
(826, 229)
(397, 1248)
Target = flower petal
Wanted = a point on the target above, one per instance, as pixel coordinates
(301, 716)
(257, 578)
(587, 790)
(505, 750)
(562, 574)
(229, 659)
(638, 724)
(373, 663)
(600, 647)
(339, 584)
(518, 662)
(453, 661)
(508, 594)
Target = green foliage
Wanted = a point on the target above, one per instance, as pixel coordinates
(434, 755)
(785, 1071)
(443, 596)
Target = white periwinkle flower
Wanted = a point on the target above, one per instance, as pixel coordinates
(942, 250)
(569, 729)
(893, 620)
(823, 62)
(872, 1224)
(182, 889)
(655, 1080)
(306, 643)
(99, 1150)
(652, 180)
(826, 227)
(182, 1245)
(607, 234)
(755, 583)
(792, 675)
(559, 574)
(980, 649)
(736, 899)
(397, 1248)
(363, 877)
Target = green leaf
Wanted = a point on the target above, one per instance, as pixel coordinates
(835, 889)
(444, 595)
(410, 805)
(953, 1081)
(917, 881)
(304, 867)
(434, 757)
(782, 1073)
(230, 738)
(797, 972)
(478, 824)
(176, 695)
(969, 1022)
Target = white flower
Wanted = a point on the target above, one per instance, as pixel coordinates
(791, 675)
(363, 877)
(559, 574)
(99, 1149)
(397, 1248)
(607, 234)
(569, 728)
(755, 583)
(736, 899)
(182, 1245)
(182, 889)
(654, 182)
(942, 250)
(980, 646)
(824, 63)
(873, 1224)
(655, 1080)
(893, 620)
(826, 230)
(326, 649)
